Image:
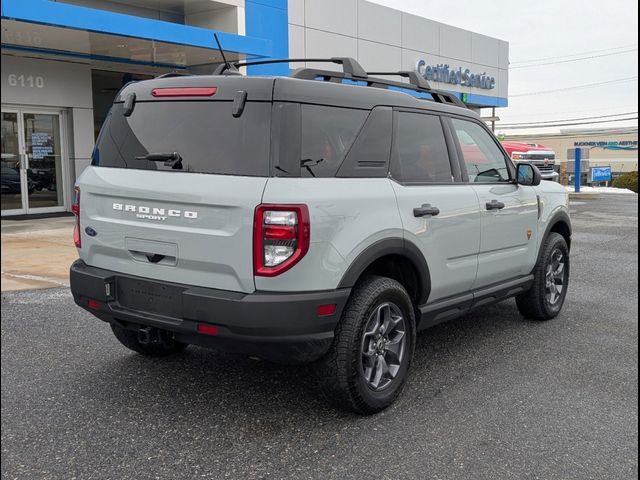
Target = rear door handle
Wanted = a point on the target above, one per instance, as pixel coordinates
(495, 205)
(426, 210)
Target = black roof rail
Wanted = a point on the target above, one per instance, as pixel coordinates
(349, 65)
(351, 70)
(421, 85)
(438, 96)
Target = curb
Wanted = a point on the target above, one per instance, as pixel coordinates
(584, 195)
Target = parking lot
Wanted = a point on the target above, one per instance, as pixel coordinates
(491, 396)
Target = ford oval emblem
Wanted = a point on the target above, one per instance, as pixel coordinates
(90, 231)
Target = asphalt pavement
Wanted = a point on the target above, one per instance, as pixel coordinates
(490, 396)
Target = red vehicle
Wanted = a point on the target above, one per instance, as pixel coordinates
(542, 157)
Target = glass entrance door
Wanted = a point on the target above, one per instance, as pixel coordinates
(32, 166)
(11, 196)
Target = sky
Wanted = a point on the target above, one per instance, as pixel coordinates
(553, 28)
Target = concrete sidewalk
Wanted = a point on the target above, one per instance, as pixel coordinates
(36, 253)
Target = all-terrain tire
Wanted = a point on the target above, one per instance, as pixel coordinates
(537, 304)
(341, 373)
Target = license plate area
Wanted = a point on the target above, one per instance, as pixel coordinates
(150, 297)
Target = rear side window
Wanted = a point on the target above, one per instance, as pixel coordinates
(206, 136)
(485, 162)
(421, 154)
(327, 135)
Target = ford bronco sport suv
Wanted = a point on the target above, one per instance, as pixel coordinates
(325, 217)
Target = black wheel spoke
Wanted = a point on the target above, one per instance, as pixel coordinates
(555, 278)
(383, 346)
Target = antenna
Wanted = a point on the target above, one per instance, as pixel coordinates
(224, 59)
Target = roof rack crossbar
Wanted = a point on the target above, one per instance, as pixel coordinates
(413, 77)
(349, 65)
(438, 96)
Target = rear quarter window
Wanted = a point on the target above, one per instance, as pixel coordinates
(327, 134)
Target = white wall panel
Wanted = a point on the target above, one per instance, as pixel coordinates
(379, 24)
(455, 43)
(485, 50)
(336, 16)
(376, 57)
(296, 12)
(420, 34)
(324, 44)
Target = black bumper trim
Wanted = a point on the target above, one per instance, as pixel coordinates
(283, 327)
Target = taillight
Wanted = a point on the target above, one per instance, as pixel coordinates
(75, 209)
(281, 235)
(207, 329)
(184, 92)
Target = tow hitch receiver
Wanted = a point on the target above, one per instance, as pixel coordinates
(150, 335)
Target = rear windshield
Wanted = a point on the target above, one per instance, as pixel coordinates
(191, 136)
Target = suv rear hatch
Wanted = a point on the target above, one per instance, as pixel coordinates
(176, 175)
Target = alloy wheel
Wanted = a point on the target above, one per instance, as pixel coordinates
(555, 278)
(383, 346)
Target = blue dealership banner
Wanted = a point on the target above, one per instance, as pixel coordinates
(601, 174)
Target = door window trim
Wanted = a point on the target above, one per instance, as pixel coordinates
(453, 160)
(447, 118)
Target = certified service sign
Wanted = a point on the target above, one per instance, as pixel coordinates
(455, 76)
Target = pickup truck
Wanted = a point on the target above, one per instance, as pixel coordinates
(541, 156)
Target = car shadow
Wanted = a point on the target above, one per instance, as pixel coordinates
(209, 384)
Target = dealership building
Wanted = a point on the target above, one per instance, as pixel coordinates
(616, 148)
(64, 61)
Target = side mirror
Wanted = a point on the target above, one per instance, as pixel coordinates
(528, 174)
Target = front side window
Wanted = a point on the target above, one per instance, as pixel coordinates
(485, 162)
(421, 154)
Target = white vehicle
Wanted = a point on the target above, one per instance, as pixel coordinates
(302, 219)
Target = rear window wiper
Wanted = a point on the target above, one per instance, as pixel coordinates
(169, 159)
(310, 162)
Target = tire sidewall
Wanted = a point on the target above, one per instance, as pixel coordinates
(378, 400)
(555, 242)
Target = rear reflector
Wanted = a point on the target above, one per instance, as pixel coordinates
(207, 329)
(93, 304)
(75, 209)
(184, 92)
(326, 309)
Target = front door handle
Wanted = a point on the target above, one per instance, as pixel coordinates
(495, 205)
(426, 210)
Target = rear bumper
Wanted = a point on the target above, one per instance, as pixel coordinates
(282, 327)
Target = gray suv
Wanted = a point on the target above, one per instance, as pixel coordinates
(325, 217)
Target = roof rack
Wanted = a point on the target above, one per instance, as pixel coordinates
(351, 70)
(349, 65)
(414, 78)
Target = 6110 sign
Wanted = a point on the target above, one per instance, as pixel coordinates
(22, 81)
